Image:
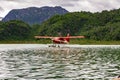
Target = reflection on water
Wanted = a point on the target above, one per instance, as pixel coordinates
(60, 63)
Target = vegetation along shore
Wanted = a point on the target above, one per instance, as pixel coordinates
(98, 28)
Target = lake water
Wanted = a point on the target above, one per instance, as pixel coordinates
(69, 62)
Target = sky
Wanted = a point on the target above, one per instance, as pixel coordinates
(70, 5)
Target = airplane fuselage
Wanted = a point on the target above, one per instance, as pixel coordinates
(60, 40)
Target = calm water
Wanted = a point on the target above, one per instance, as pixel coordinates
(73, 62)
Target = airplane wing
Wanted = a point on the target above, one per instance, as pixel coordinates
(77, 37)
(73, 37)
(38, 37)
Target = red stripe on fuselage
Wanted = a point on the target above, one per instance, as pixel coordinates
(60, 40)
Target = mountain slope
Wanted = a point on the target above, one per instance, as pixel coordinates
(97, 26)
(34, 15)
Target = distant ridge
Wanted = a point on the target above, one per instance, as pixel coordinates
(34, 15)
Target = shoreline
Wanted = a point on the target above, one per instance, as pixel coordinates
(79, 42)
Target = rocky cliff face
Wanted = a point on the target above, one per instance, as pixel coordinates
(34, 15)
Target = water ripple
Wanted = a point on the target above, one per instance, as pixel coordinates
(59, 63)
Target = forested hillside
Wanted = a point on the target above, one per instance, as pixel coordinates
(14, 30)
(97, 26)
(94, 26)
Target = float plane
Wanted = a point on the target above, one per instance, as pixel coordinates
(59, 40)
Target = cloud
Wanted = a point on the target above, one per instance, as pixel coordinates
(64, 3)
(70, 5)
(1, 18)
(11, 0)
(88, 5)
(99, 5)
(15, 0)
(1, 9)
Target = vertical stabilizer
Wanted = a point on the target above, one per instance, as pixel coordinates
(68, 37)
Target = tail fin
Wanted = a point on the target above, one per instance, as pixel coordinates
(67, 38)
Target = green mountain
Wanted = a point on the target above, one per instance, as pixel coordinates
(34, 15)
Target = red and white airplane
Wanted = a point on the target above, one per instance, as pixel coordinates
(60, 40)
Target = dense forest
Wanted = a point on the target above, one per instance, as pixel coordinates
(96, 26)
(103, 25)
(14, 30)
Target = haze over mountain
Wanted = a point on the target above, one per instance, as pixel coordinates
(1, 18)
(34, 15)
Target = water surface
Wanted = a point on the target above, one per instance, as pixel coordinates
(69, 62)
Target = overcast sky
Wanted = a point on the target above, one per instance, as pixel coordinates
(70, 5)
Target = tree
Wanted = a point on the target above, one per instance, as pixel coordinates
(15, 30)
